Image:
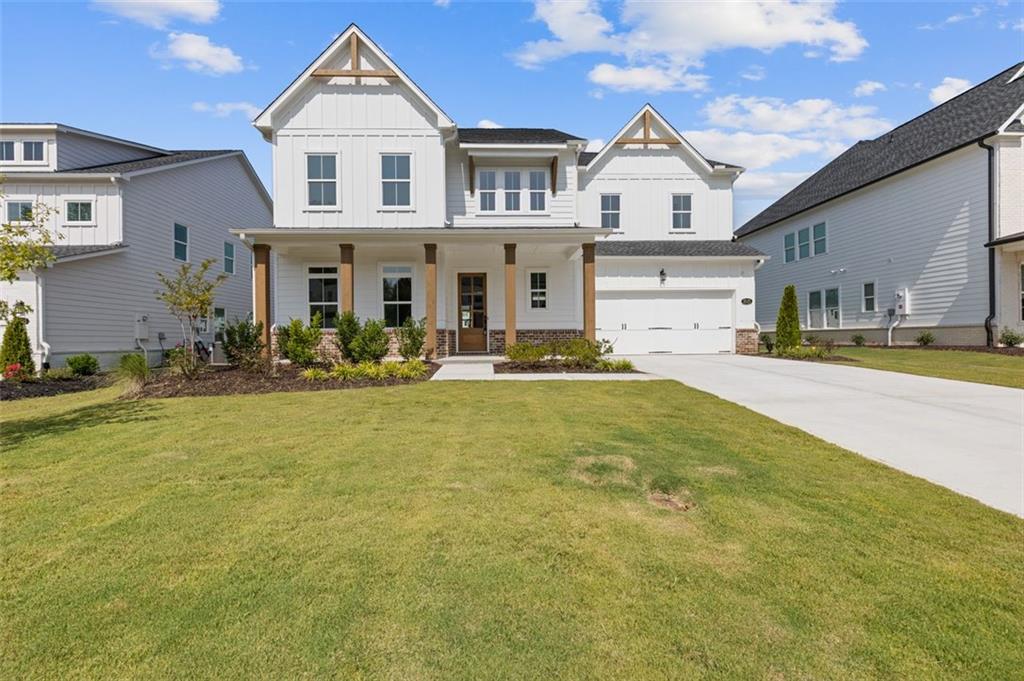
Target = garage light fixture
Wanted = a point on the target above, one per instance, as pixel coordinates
(662, 277)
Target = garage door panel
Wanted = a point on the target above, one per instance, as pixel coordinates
(641, 322)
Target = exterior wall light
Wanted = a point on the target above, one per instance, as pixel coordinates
(662, 277)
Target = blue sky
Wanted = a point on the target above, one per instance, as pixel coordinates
(779, 88)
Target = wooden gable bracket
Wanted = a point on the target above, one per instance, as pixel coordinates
(646, 139)
(554, 176)
(354, 70)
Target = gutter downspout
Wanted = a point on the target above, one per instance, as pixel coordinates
(893, 323)
(989, 333)
(44, 362)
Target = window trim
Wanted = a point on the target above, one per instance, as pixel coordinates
(226, 259)
(9, 201)
(380, 289)
(14, 151)
(187, 242)
(524, 191)
(601, 211)
(309, 275)
(1021, 291)
(785, 254)
(672, 213)
(528, 289)
(825, 308)
(874, 297)
(79, 223)
(24, 161)
(381, 208)
(224, 309)
(810, 243)
(336, 208)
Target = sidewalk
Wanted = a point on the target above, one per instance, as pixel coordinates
(481, 368)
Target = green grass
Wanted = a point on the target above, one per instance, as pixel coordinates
(478, 531)
(977, 367)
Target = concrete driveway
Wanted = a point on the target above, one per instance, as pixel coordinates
(965, 436)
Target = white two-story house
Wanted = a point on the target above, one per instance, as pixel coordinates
(920, 229)
(121, 212)
(383, 206)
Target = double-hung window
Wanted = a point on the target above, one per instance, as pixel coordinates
(322, 180)
(610, 211)
(180, 242)
(229, 258)
(806, 243)
(823, 309)
(19, 211)
(78, 212)
(538, 290)
(538, 189)
(397, 294)
(513, 191)
(220, 323)
(820, 241)
(31, 151)
(7, 151)
(868, 297)
(488, 191)
(803, 239)
(396, 180)
(323, 295)
(790, 247)
(682, 211)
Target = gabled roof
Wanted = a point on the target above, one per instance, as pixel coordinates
(986, 109)
(679, 249)
(170, 158)
(65, 253)
(262, 122)
(69, 129)
(516, 136)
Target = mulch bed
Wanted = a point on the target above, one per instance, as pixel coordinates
(547, 368)
(232, 381)
(1013, 352)
(19, 390)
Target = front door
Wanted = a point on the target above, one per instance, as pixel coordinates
(472, 312)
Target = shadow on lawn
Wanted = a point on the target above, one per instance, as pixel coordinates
(18, 432)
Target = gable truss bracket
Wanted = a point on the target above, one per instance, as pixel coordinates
(646, 139)
(354, 71)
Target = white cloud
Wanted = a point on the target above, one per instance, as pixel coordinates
(948, 89)
(975, 13)
(159, 13)
(823, 117)
(1012, 25)
(595, 145)
(225, 109)
(199, 54)
(750, 150)
(645, 78)
(488, 123)
(755, 72)
(442, 3)
(577, 26)
(866, 88)
(767, 185)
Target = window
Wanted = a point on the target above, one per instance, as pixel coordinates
(790, 247)
(180, 242)
(868, 298)
(396, 178)
(322, 179)
(19, 211)
(78, 211)
(819, 239)
(488, 190)
(32, 151)
(513, 187)
(538, 189)
(823, 316)
(682, 212)
(220, 322)
(538, 290)
(803, 238)
(610, 211)
(397, 294)
(1022, 291)
(229, 258)
(6, 151)
(323, 295)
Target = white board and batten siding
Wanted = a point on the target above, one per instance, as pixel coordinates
(923, 229)
(105, 228)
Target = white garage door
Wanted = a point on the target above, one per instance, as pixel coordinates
(684, 322)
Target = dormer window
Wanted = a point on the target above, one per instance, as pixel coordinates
(32, 151)
(7, 151)
(488, 190)
(538, 189)
(501, 191)
(513, 188)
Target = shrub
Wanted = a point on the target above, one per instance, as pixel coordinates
(344, 372)
(858, 339)
(313, 374)
(14, 372)
(371, 344)
(582, 353)
(925, 338)
(83, 365)
(412, 369)
(372, 371)
(616, 366)
(526, 353)
(787, 323)
(15, 348)
(347, 328)
(299, 343)
(60, 374)
(243, 345)
(411, 336)
(803, 352)
(179, 360)
(767, 341)
(1011, 338)
(812, 340)
(134, 369)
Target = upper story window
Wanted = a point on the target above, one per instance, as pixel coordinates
(513, 188)
(180, 242)
(229, 258)
(538, 189)
(820, 241)
(397, 294)
(682, 211)
(396, 180)
(502, 190)
(538, 290)
(805, 243)
(31, 151)
(610, 211)
(790, 247)
(322, 179)
(7, 151)
(323, 295)
(78, 212)
(488, 190)
(19, 211)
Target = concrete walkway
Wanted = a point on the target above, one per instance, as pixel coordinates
(968, 437)
(481, 368)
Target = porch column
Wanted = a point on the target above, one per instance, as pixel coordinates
(510, 294)
(589, 293)
(261, 290)
(430, 289)
(346, 277)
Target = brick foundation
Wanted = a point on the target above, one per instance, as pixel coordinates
(496, 337)
(445, 343)
(328, 349)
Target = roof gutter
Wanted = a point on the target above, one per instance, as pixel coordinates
(989, 333)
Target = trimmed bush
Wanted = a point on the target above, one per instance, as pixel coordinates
(582, 353)
(134, 369)
(83, 365)
(16, 348)
(925, 338)
(412, 335)
(314, 374)
(243, 344)
(858, 339)
(1011, 338)
(787, 323)
(299, 343)
(412, 369)
(803, 352)
(347, 328)
(616, 366)
(371, 344)
(526, 353)
(60, 374)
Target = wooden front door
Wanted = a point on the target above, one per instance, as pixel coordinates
(472, 312)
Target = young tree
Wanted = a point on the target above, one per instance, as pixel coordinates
(16, 348)
(787, 324)
(24, 246)
(188, 296)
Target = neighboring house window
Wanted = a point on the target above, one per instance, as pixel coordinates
(397, 283)
(322, 179)
(538, 189)
(229, 257)
(790, 247)
(820, 242)
(396, 179)
(323, 295)
(1022, 291)
(488, 190)
(869, 296)
(78, 212)
(180, 242)
(538, 290)
(823, 309)
(513, 187)
(32, 151)
(803, 239)
(220, 322)
(19, 211)
(682, 213)
(6, 151)
(610, 211)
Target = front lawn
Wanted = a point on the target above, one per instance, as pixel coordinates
(977, 367)
(483, 530)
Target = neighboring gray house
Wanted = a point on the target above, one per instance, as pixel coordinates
(124, 211)
(926, 220)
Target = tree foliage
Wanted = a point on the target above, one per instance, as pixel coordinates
(787, 324)
(24, 246)
(189, 296)
(16, 348)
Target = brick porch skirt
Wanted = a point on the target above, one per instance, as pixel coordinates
(496, 337)
(746, 341)
(328, 349)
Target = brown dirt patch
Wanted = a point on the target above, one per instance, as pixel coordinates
(604, 470)
(673, 502)
(19, 390)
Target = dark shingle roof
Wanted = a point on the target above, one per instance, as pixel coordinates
(515, 136)
(153, 161)
(965, 119)
(690, 249)
(61, 252)
(587, 156)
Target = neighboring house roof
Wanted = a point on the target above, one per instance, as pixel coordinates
(684, 249)
(515, 136)
(77, 252)
(150, 162)
(61, 127)
(987, 108)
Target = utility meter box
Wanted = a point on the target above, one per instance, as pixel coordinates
(141, 327)
(902, 301)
